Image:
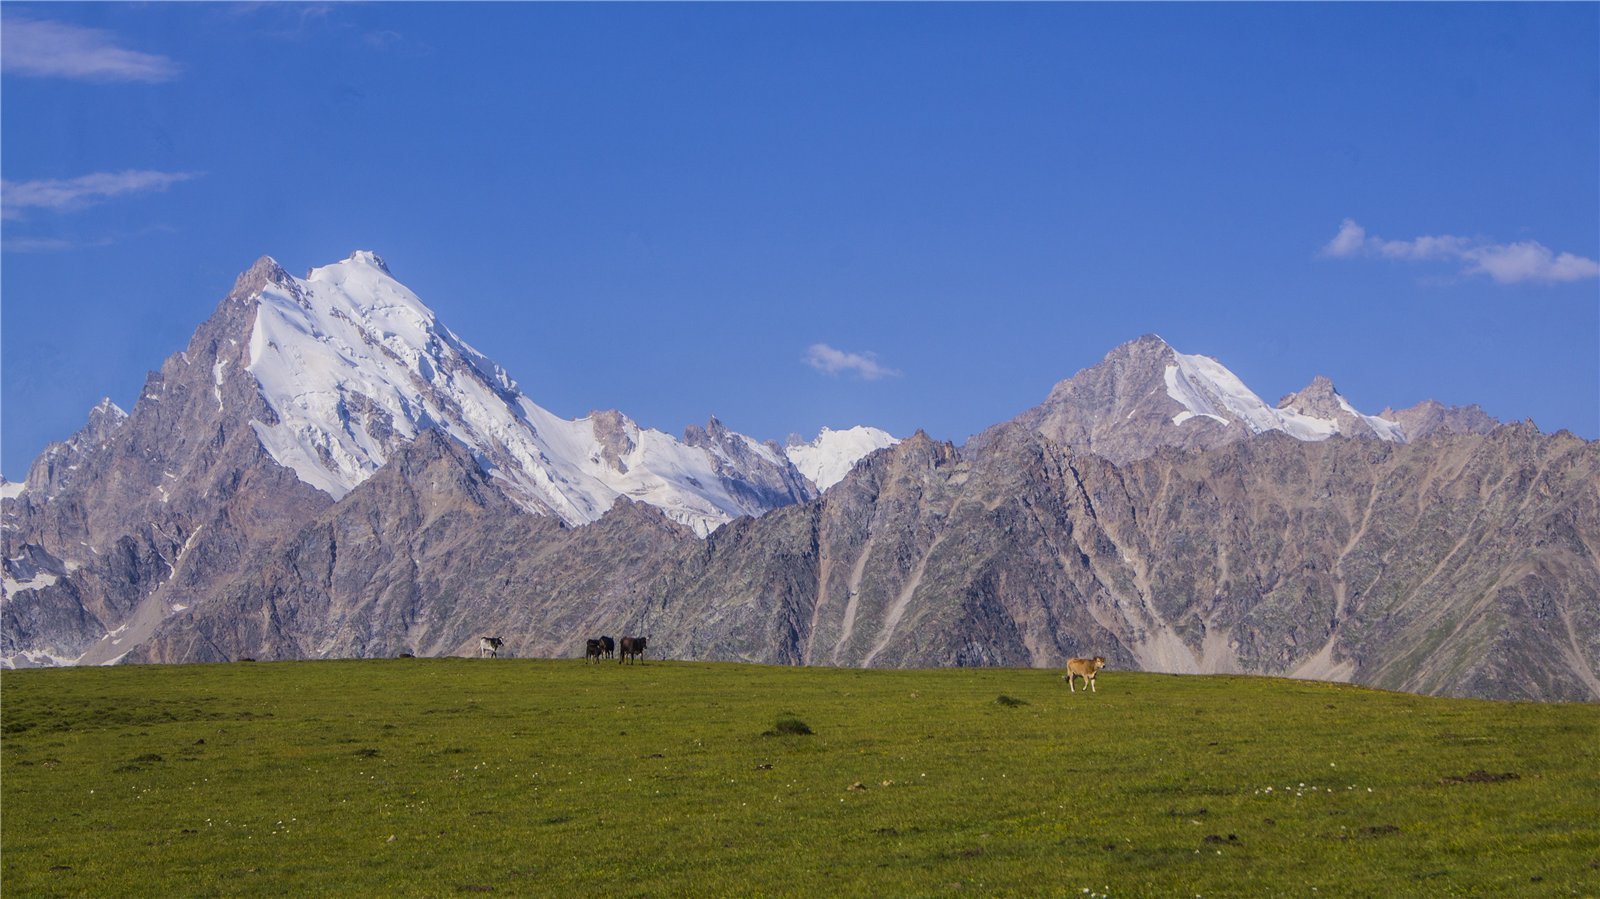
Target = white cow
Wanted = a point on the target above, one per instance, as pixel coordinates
(489, 647)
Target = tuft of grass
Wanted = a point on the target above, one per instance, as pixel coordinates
(427, 777)
(1009, 702)
(789, 726)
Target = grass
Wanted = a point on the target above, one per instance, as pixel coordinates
(790, 726)
(439, 777)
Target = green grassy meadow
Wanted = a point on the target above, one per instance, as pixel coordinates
(443, 776)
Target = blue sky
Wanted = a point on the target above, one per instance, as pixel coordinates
(791, 216)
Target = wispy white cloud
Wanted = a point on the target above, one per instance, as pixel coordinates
(14, 244)
(384, 39)
(293, 21)
(59, 50)
(1511, 263)
(1350, 241)
(388, 41)
(36, 245)
(1529, 261)
(67, 194)
(865, 366)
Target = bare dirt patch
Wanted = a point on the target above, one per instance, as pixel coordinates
(1479, 776)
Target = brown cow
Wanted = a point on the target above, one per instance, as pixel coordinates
(593, 649)
(1086, 669)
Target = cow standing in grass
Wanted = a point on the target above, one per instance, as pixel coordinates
(1086, 669)
(594, 649)
(489, 647)
(631, 648)
(609, 645)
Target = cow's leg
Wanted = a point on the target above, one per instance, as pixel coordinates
(1072, 681)
(1092, 684)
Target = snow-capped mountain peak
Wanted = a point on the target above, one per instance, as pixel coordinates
(1145, 395)
(351, 361)
(353, 364)
(1322, 402)
(829, 457)
(1206, 388)
(366, 258)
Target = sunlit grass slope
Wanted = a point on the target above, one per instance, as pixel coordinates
(437, 777)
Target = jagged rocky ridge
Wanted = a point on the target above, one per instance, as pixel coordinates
(1462, 564)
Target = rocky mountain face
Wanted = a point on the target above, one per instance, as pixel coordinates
(1463, 564)
(425, 557)
(1457, 565)
(1430, 416)
(140, 516)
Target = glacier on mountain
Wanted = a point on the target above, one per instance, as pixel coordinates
(829, 457)
(1206, 388)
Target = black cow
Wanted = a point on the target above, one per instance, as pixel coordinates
(609, 645)
(631, 648)
(593, 649)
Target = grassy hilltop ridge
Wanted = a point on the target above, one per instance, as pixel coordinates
(444, 776)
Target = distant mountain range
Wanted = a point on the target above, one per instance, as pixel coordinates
(328, 471)
(1145, 395)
